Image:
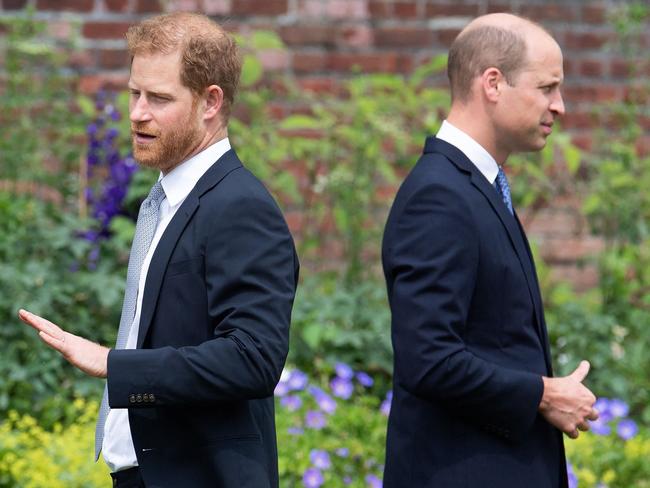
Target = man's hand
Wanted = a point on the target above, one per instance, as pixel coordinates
(567, 403)
(89, 357)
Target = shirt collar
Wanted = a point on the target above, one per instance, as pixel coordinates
(476, 153)
(178, 183)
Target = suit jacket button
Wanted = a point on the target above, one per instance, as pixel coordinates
(138, 398)
(145, 398)
(131, 398)
(152, 398)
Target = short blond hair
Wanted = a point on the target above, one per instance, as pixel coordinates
(209, 55)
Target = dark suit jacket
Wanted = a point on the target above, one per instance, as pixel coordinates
(213, 338)
(468, 334)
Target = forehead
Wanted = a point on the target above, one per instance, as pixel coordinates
(544, 58)
(156, 71)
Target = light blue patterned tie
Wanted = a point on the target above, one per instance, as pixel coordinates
(501, 184)
(144, 232)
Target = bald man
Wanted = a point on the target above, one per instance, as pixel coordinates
(475, 403)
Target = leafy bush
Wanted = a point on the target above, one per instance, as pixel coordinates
(331, 322)
(331, 435)
(614, 454)
(43, 268)
(33, 457)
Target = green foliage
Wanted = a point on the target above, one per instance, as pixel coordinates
(60, 457)
(36, 121)
(43, 269)
(353, 436)
(332, 160)
(610, 461)
(333, 323)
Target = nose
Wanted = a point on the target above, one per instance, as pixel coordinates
(139, 109)
(557, 104)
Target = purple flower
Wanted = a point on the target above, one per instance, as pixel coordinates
(312, 478)
(291, 402)
(385, 405)
(373, 481)
(600, 426)
(325, 402)
(343, 371)
(315, 419)
(365, 379)
(342, 452)
(602, 406)
(347, 480)
(295, 431)
(618, 408)
(320, 459)
(341, 388)
(573, 479)
(627, 429)
(297, 380)
(281, 389)
(91, 129)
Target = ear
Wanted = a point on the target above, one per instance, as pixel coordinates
(213, 102)
(492, 83)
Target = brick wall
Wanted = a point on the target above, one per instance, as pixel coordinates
(326, 38)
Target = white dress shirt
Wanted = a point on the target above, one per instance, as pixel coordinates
(117, 447)
(476, 153)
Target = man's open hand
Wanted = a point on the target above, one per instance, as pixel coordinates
(89, 357)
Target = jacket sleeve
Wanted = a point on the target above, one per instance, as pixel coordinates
(251, 275)
(431, 258)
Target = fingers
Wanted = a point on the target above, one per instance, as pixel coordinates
(581, 371)
(593, 415)
(573, 434)
(49, 333)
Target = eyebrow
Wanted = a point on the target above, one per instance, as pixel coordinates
(151, 92)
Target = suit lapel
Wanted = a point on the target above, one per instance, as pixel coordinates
(160, 259)
(511, 225)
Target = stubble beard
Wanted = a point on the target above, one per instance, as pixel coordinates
(169, 149)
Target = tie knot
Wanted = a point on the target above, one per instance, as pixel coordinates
(156, 195)
(504, 189)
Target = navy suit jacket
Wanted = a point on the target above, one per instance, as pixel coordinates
(213, 338)
(468, 334)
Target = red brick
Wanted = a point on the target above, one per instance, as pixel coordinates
(274, 59)
(380, 8)
(444, 10)
(148, 6)
(82, 59)
(216, 7)
(586, 40)
(308, 62)
(113, 58)
(405, 10)
(556, 222)
(356, 36)
(182, 5)
(620, 68)
(495, 7)
(306, 35)
(581, 277)
(637, 94)
(592, 93)
(580, 120)
(91, 84)
(446, 36)
(105, 30)
(549, 11)
(583, 141)
(643, 146)
(320, 85)
(594, 14)
(116, 5)
(568, 250)
(591, 68)
(403, 37)
(569, 67)
(14, 4)
(369, 62)
(254, 7)
(74, 5)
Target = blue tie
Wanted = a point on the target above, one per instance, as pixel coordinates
(501, 184)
